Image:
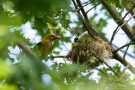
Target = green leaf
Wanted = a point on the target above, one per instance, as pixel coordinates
(56, 52)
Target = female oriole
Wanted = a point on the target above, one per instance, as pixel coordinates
(46, 45)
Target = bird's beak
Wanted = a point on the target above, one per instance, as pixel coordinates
(57, 37)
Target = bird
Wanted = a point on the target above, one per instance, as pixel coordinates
(45, 46)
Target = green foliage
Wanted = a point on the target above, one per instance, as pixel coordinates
(117, 3)
(100, 23)
(6, 71)
(121, 4)
(112, 82)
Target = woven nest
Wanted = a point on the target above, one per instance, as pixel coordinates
(85, 49)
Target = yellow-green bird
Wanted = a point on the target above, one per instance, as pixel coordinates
(46, 45)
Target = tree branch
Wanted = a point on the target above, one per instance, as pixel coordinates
(92, 8)
(123, 51)
(58, 57)
(114, 13)
(91, 30)
(126, 51)
(28, 51)
(116, 30)
(124, 62)
(83, 6)
(81, 18)
(131, 11)
(124, 46)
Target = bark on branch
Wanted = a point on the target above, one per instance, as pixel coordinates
(118, 19)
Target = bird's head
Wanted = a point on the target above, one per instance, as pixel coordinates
(51, 37)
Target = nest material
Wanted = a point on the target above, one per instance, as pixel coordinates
(83, 51)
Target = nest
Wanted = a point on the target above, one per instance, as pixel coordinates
(84, 49)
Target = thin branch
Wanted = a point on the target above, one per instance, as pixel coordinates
(92, 8)
(124, 46)
(82, 6)
(86, 3)
(123, 51)
(58, 57)
(115, 31)
(126, 51)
